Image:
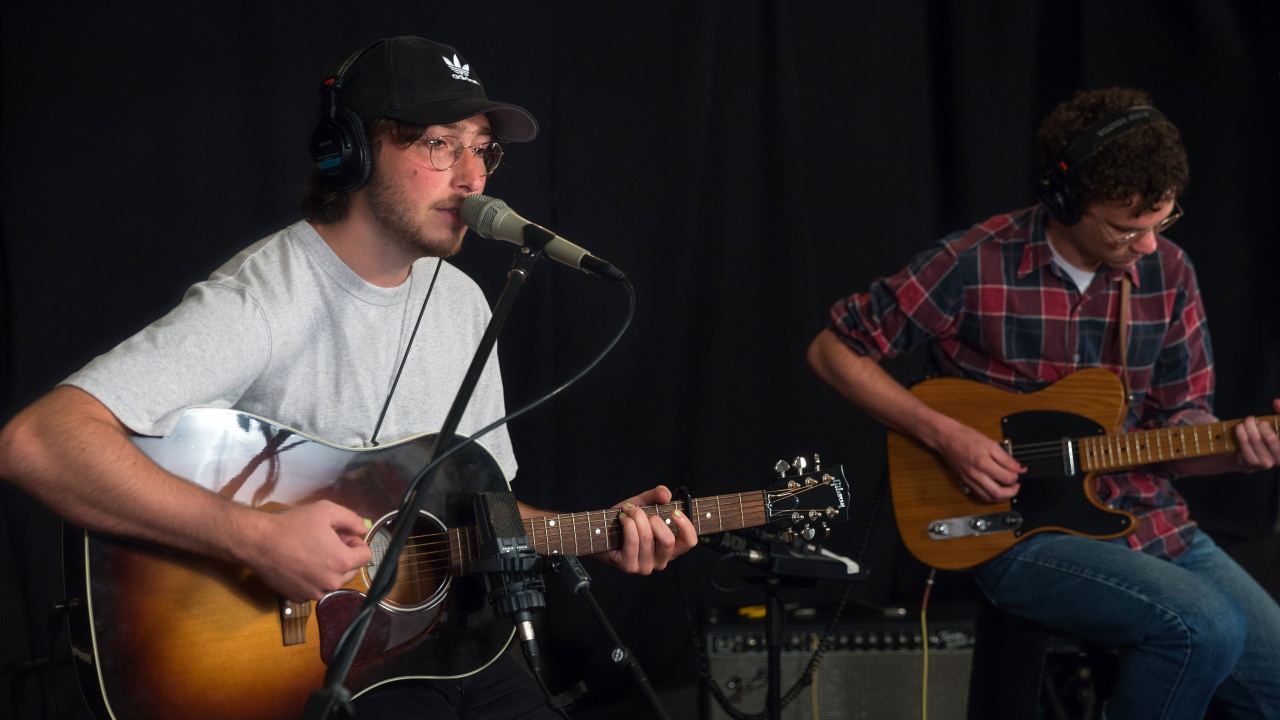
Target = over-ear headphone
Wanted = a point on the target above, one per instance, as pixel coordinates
(338, 145)
(1056, 179)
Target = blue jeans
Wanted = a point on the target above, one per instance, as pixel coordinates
(1190, 629)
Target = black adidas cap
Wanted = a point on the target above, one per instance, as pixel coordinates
(423, 82)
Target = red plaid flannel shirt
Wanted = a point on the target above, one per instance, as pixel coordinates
(1000, 311)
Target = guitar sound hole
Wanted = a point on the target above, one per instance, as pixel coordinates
(423, 576)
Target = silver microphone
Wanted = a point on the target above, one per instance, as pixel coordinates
(491, 218)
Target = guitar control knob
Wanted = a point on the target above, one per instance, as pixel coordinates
(980, 524)
(939, 529)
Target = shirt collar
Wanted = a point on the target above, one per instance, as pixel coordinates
(1039, 254)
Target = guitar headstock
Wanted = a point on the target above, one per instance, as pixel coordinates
(806, 502)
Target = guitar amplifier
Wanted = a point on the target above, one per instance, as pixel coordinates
(873, 670)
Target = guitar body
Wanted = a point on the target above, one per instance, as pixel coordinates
(162, 634)
(1053, 496)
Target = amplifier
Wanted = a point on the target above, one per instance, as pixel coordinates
(873, 670)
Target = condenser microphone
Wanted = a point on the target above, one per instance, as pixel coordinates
(491, 218)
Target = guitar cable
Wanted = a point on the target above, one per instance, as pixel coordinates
(344, 654)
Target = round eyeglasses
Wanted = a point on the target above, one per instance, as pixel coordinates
(1130, 238)
(445, 151)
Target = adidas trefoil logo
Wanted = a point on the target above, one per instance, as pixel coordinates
(461, 70)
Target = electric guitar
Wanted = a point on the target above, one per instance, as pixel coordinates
(1064, 434)
(160, 634)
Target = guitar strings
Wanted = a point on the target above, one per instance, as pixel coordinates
(428, 557)
(430, 562)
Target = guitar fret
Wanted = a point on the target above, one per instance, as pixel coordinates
(741, 517)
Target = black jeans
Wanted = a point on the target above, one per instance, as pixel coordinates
(501, 691)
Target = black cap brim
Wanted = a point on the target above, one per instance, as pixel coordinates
(510, 123)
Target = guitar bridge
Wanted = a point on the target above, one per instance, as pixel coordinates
(971, 525)
(293, 621)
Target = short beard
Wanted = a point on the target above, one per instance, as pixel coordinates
(392, 210)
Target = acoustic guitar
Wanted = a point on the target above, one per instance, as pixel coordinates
(1065, 434)
(160, 634)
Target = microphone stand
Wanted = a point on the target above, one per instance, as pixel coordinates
(578, 581)
(323, 701)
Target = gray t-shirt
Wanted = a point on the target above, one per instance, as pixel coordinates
(287, 331)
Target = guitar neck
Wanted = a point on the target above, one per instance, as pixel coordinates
(597, 531)
(1121, 451)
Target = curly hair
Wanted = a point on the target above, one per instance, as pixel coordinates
(1148, 161)
(323, 204)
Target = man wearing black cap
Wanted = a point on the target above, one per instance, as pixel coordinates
(309, 327)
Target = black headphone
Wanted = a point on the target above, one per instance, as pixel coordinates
(1056, 179)
(338, 145)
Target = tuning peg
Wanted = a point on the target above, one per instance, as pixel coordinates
(781, 468)
(817, 463)
(787, 536)
(799, 464)
(808, 532)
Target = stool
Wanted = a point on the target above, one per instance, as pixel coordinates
(1023, 670)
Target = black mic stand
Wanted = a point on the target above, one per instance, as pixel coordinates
(334, 696)
(578, 581)
(780, 556)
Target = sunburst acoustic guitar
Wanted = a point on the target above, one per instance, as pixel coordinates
(159, 634)
(1065, 434)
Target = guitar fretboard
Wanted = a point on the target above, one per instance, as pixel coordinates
(598, 531)
(1126, 450)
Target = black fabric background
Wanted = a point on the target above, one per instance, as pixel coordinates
(746, 163)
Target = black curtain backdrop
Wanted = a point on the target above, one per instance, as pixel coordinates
(746, 163)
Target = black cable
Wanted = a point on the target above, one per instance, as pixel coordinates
(373, 439)
(806, 677)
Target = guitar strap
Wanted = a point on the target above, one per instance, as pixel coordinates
(1125, 285)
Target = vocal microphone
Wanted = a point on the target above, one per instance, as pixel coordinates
(492, 219)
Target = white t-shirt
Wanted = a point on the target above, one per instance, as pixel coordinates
(287, 331)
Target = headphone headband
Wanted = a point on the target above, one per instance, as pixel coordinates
(1055, 192)
(1117, 123)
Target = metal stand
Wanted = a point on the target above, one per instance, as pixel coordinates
(578, 581)
(333, 696)
(781, 557)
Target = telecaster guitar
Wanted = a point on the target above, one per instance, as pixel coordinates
(1064, 434)
(159, 634)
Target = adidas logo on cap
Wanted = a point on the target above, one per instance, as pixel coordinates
(461, 70)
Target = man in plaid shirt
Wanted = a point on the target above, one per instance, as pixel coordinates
(1026, 298)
